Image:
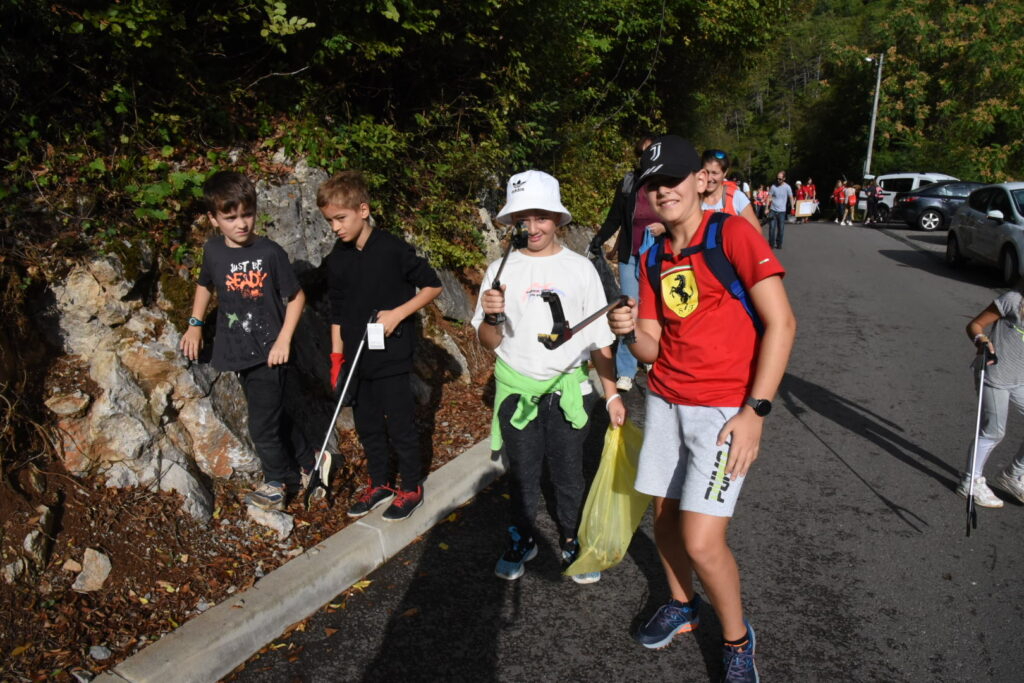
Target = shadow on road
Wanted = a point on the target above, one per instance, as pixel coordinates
(796, 393)
(969, 273)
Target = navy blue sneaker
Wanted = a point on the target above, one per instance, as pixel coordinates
(520, 551)
(671, 618)
(738, 662)
(570, 551)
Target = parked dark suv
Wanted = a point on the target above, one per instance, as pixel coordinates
(930, 207)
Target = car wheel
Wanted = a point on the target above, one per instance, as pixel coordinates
(953, 256)
(930, 220)
(882, 212)
(1010, 266)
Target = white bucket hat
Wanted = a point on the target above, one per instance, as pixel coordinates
(533, 190)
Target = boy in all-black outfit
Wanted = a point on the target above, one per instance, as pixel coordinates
(253, 278)
(372, 270)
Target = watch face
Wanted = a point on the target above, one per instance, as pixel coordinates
(763, 407)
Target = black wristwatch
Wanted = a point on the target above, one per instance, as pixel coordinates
(761, 406)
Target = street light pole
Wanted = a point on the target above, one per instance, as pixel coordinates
(874, 112)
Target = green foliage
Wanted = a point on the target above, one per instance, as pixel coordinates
(122, 107)
(950, 95)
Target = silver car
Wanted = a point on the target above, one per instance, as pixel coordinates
(989, 227)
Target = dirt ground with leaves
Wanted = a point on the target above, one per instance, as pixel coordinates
(166, 567)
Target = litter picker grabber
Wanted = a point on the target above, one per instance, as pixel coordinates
(972, 512)
(562, 332)
(318, 488)
(515, 241)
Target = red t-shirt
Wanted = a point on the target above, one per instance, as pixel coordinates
(709, 346)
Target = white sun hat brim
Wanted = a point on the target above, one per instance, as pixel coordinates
(534, 190)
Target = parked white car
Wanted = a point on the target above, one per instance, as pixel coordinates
(989, 228)
(893, 183)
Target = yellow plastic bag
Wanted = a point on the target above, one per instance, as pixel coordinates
(614, 508)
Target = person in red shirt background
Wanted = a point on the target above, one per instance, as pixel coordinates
(811, 192)
(838, 202)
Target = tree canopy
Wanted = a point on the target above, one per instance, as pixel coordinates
(115, 111)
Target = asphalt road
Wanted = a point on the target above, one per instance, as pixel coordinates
(849, 536)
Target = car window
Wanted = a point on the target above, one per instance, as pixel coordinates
(958, 189)
(979, 200)
(897, 184)
(935, 191)
(1001, 202)
(1018, 199)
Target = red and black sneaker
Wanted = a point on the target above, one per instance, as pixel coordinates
(404, 505)
(372, 497)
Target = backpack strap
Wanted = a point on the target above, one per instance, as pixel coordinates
(727, 197)
(723, 270)
(715, 258)
(655, 255)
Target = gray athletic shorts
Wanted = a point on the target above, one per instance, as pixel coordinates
(680, 460)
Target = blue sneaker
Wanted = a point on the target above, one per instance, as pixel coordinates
(570, 551)
(671, 618)
(738, 664)
(520, 551)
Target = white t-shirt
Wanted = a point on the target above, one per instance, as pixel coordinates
(579, 289)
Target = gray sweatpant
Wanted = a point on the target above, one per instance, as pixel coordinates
(995, 406)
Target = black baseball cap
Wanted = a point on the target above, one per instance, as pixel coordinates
(668, 155)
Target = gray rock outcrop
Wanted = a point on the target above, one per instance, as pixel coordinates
(151, 418)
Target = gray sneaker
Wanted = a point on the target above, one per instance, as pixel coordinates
(1011, 484)
(270, 495)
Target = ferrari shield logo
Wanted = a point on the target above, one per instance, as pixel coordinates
(679, 290)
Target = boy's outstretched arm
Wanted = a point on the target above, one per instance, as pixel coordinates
(605, 366)
(282, 347)
(772, 305)
(648, 332)
(393, 317)
(192, 340)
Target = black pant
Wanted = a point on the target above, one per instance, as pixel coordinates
(384, 412)
(547, 438)
(275, 424)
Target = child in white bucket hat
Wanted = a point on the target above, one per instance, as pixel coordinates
(543, 396)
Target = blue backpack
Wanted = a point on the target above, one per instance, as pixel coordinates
(714, 256)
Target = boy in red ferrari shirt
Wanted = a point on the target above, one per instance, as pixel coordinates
(710, 387)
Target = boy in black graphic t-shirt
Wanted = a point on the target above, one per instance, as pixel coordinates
(253, 278)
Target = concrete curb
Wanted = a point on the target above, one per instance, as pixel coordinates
(212, 644)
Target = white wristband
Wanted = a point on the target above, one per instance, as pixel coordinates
(610, 399)
(981, 335)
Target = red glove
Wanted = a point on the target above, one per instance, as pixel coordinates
(337, 360)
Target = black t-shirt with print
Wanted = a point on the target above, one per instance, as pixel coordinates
(252, 284)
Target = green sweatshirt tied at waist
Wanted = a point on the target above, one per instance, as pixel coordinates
(509, 382)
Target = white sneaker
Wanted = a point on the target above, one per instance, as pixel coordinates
(624, 383)
(983, 495)
(1011, 484)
